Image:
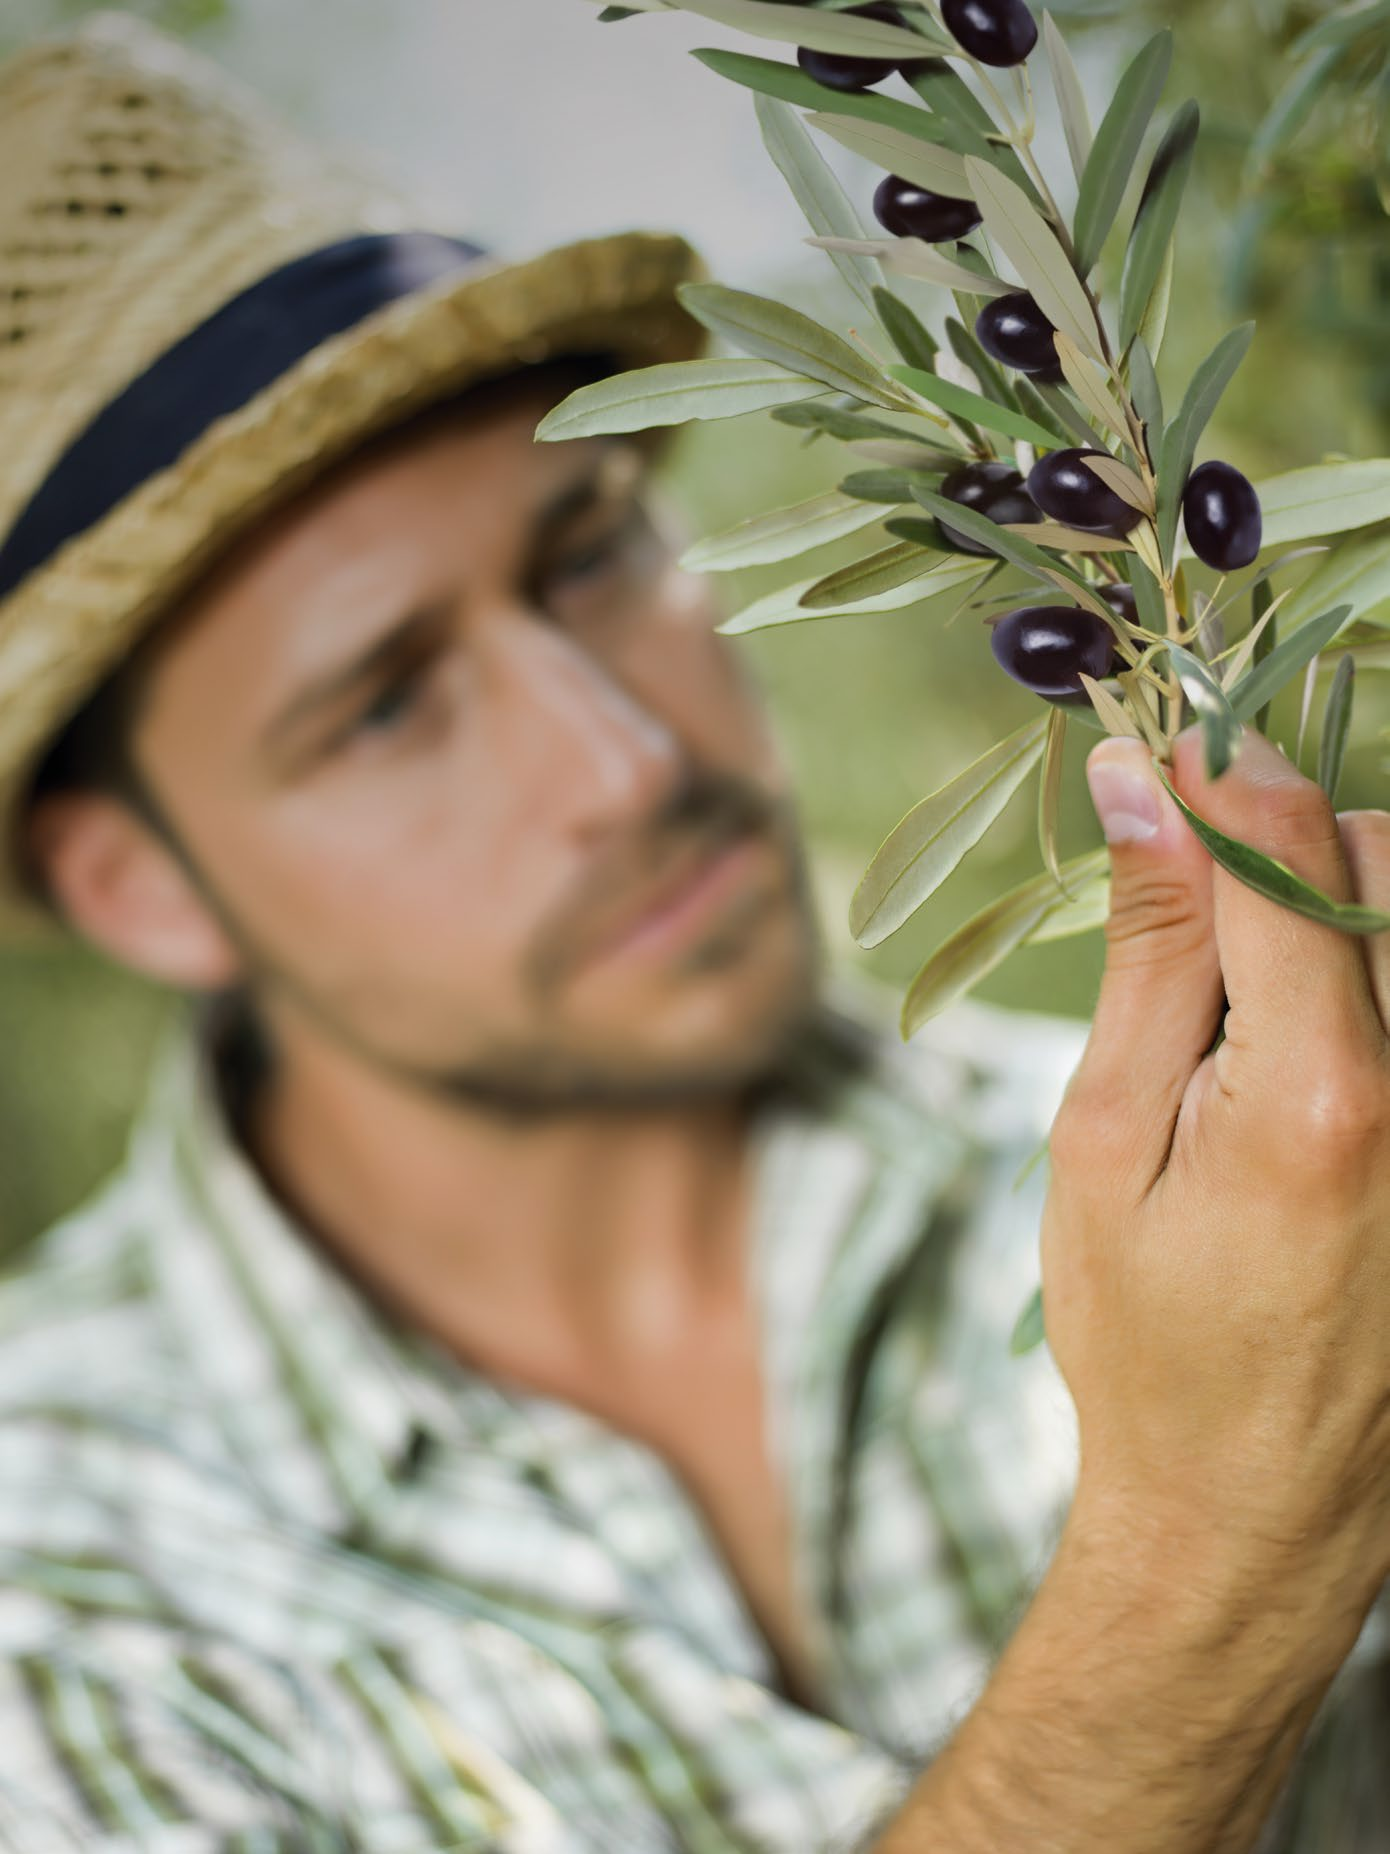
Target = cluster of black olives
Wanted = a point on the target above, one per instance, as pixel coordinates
(1045, 647)
(1048, 647)
(996, 32)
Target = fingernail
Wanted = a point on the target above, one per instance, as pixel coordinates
(1122, 791)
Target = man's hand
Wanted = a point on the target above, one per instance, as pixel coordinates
(1216, 1277)
(1216, 1242)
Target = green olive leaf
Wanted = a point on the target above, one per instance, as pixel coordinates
(1155, 221)
(783, 606)
(1326, 498)
(1127, 485)
(859, 428)
(926, 845)
(1088, 382)
(863, 579)
(1009, 545)
(1144, 391)
(817, 192)
(913, 528)
(1089, 903)
(894, 486)
(1179, 445)
(790, 84)
(1046, 402)
(984, 941)
(1345, 23)
(904, 329)
(926, 164)
(1116, 145)
(914, 257)
(671, 392)
(1261, 598)
(1050, 792)
(1071, 97)
(951, 101)
(1336, 726)
(1266, 678)
(1289, 110)
(1113, 716)
(1154, 318)
(1276, 880)
(1357, 572)
(781, 534)
(787, 83)
(1221, 729)
(1148, 598)
(965, 404)
(775, 332)
(1032, 247)
(817, 29)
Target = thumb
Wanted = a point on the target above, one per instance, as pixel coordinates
(1161, 997)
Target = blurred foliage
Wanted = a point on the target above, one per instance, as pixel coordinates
(874, 712)
(1295, 155)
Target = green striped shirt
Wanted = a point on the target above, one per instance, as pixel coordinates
(276, 1575)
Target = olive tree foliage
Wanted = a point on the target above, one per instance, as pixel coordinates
(1298, 157)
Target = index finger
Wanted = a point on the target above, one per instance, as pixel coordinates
(1288, 978)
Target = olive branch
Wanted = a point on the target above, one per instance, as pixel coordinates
(1034, 437)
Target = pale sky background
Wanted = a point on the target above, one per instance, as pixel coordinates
(531, 123)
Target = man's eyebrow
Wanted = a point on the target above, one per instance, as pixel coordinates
(615, 470)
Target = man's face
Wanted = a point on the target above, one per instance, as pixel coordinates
(435, 734)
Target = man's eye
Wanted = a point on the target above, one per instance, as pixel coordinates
(585, 562)
(390, 703)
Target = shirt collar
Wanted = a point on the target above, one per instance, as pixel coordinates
(263, 1311)
(287, 1321)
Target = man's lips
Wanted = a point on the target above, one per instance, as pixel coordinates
(686, 877)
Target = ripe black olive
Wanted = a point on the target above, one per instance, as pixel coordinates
(1064, 488)
(1221, 513)
(910, 211)
(994, 31)
(1119, 596)
(1047, 647)
(993, 488)
(1014, 330)
(841, 71)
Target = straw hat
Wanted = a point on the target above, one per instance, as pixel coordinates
(141, 190)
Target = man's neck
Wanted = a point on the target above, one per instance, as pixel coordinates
(577, 1248)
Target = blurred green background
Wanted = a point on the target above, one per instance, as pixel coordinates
(1285, 221)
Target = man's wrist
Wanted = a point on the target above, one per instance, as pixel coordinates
(1153, 1697)
(1296, 1594)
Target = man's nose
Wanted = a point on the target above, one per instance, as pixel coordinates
(615, 756)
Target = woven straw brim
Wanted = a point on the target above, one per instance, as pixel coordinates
(72, 619)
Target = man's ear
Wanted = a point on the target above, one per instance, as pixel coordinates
(121, 887)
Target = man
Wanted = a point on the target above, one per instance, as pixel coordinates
(539, 1379)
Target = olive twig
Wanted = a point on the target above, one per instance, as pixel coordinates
(1024, 85)
(1173, 619)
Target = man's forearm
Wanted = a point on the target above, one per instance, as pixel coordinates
(1150, 1700)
